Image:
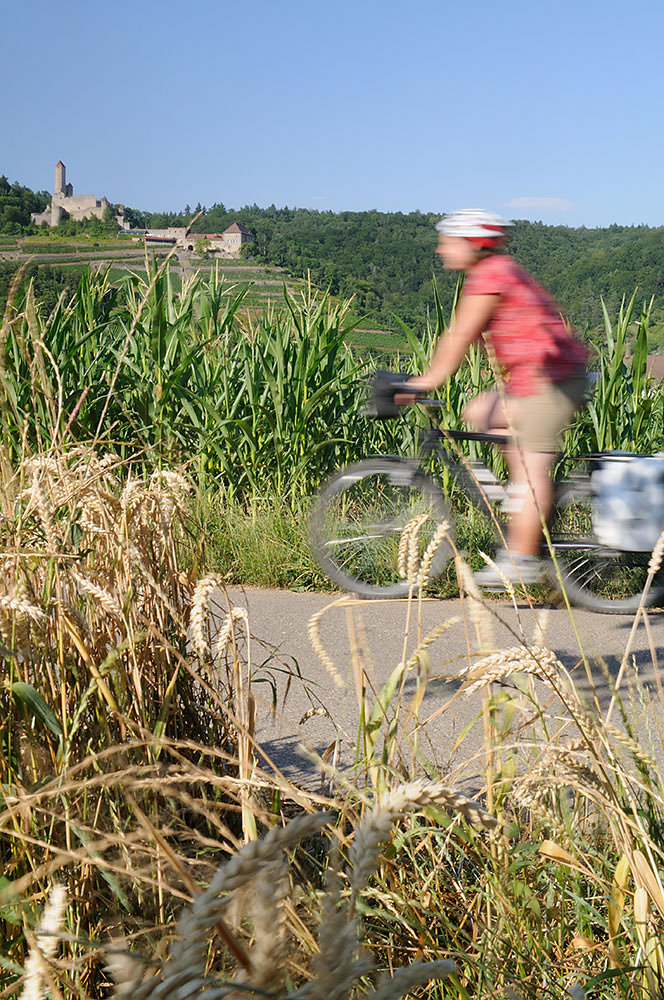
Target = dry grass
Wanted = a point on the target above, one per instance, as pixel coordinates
(131, 774)
(339, 963)
(125, 756)
(568, 889)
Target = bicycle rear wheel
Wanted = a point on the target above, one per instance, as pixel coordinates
(596, 576)
(359, 521)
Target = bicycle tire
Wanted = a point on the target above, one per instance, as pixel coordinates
(359, 519)
(595, 576)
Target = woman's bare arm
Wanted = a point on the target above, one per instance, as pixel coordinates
(472, 317)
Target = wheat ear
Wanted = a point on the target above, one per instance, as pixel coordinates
(375, 828)
(537, 660)
(413, 550)
(478, 614)
(126, 970)
(441, 532)
(268, 915)
(22, 607)
(313, 630)
(336, 964)
(225, 632)
(199, 610)
(405, 544)
(44, 512)
(45, 944)
(101, 596)
(430, 638)
(404, 980)
(188, 955)
(507, 584)
(657, 555)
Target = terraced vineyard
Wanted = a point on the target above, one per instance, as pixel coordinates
(124, 254)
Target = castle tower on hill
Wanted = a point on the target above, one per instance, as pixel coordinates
(61, 186)
(64, 203)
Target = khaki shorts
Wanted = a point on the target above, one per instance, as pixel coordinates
(540, 419)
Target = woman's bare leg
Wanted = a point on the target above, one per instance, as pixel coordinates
(486, 413)
(531, 470)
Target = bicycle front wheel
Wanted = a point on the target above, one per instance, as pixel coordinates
(358, 525)
(596, 576)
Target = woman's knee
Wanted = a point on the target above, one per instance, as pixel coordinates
(482, 411)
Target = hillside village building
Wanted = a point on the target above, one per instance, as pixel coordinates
(65, 203)
(229, 243)
(231, 239)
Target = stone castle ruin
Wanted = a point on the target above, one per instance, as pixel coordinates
(65, 203)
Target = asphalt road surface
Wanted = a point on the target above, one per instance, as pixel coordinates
(366, 640)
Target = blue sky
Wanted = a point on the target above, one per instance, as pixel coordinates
(538, 110)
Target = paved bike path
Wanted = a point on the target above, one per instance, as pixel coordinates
(368, 639)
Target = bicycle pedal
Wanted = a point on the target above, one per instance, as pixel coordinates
(487, 482)
(493, 492)
(515, 497)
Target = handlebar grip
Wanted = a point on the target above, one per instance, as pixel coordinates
(384, 388)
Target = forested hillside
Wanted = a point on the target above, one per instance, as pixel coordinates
(386, 259)
(16, 204)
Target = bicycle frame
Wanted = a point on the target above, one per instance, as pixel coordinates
(465, 470)
(440, 441)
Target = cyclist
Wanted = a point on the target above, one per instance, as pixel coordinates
(542, 369)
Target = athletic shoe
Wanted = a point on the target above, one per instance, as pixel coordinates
(516, 569)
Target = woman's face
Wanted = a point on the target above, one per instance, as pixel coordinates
(456, 253)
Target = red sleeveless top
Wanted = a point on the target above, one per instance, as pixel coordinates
(528, 336)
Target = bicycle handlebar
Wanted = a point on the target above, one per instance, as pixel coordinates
(386, 385)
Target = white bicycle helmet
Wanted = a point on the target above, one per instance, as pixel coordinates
(474, 224)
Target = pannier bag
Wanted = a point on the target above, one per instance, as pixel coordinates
(628, 500)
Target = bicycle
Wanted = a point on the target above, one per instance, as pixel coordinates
(358, 522)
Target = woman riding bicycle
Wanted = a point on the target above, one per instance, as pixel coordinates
(542, 373)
